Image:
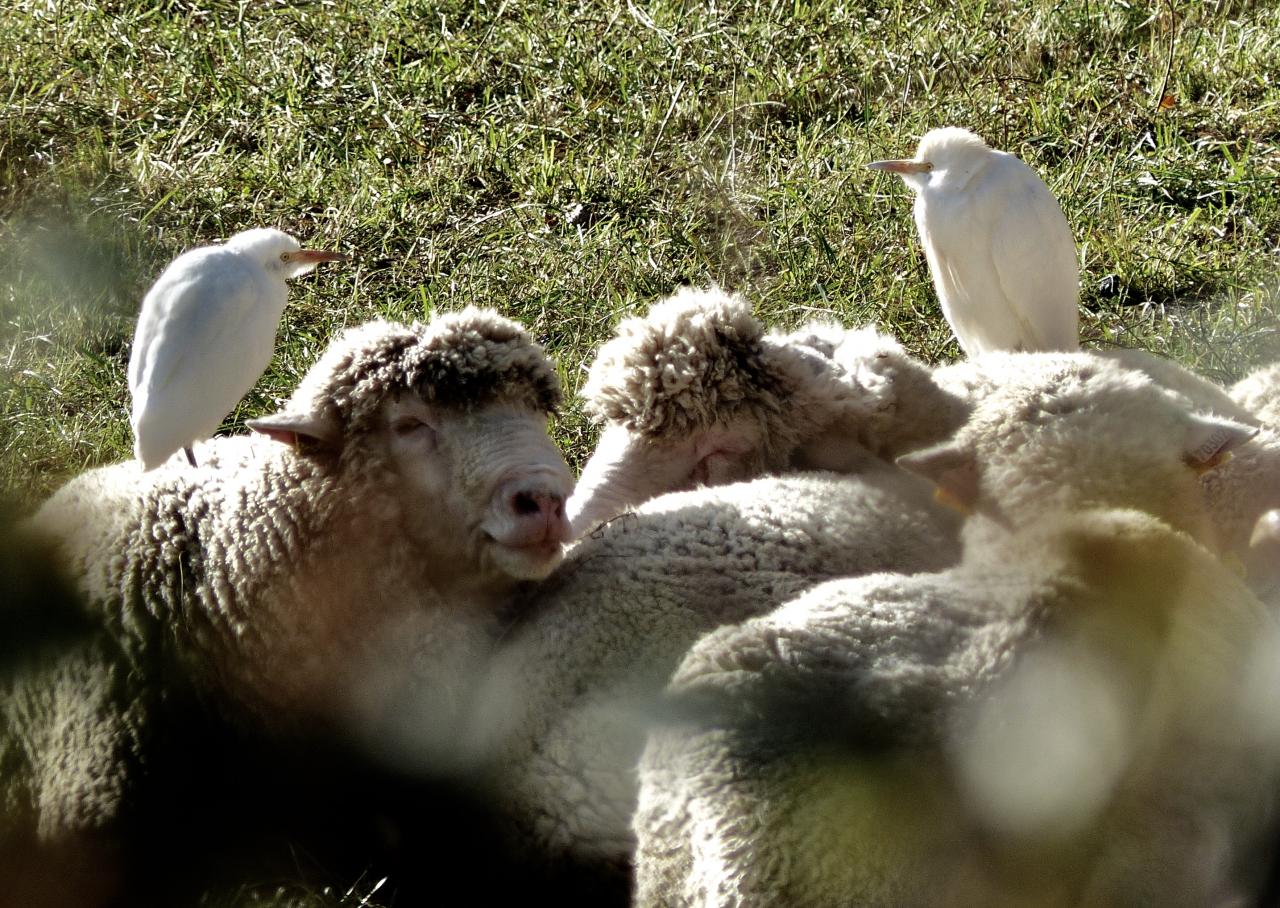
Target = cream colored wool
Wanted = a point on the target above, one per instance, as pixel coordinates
(574, 687)
(695, 392)
(304, 584)
(1259, 393)
(808, 756)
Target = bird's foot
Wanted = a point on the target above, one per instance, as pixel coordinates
(191, 457)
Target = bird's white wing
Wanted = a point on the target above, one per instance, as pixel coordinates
(1035, 260)
(205, 316)
(201, 345)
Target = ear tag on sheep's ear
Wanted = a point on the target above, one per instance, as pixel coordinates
(298, 429)
(1210, 441)
(943, 496)
(952, 470)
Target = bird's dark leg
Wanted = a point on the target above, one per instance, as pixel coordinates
(191, 458)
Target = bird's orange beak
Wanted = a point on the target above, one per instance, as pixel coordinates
(907, 166)
(315, 256)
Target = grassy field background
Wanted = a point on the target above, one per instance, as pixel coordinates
(569, 163)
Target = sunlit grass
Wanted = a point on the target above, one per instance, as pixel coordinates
(568, 163)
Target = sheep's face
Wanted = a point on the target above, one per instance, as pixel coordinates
(484, 490)
(629, 468)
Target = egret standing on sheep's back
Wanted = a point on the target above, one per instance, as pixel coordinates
(999, 248)
(205, 334)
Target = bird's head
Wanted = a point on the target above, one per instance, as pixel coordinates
(280, 253)
(946, 158)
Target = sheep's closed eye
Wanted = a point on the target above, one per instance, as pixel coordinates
(411, 428)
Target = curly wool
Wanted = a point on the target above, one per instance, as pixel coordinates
(810, 755)
(697, 358)
(877, 392)
(852, 351)
(462, 360)
(1259, 393)
(568, 694)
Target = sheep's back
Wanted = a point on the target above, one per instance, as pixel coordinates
(574, 689)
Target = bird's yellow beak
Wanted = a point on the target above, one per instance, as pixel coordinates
(907, 166)
(314, 257)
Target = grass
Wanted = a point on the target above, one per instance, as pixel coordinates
(569, 163)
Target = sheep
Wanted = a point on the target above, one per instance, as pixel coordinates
(695, 392)
(414, 458)
(1237, 493)
(364, 541)
(881, 740)
(1206, 395)
(1259, 393)
(561, 719)
(974, 379)
(563, 703)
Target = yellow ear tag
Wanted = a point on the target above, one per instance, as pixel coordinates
(1204, 466)
(947, 500)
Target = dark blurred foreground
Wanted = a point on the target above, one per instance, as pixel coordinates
(219, 812)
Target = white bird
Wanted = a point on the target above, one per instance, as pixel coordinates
(205, 335)
(1001, 254)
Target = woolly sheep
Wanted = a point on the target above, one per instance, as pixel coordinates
(1259, 393)
(1237, 494)
(562, 716)
(1204, 394)
(1051, 722)
(567, 683)
(305, 583)
(695, 392)
(974, 379)
(882, 739)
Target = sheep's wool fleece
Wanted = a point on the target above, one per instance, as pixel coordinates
(819, 754)
(460, 360)
(575, 685)
(977, 378)
(1259, 393)
(693, 359)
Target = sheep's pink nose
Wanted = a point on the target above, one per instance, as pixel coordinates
(527, 504)
(536, 514)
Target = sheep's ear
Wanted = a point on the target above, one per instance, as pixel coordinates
(719, 451)
(1210, 441)
(952, 469)
(298, 429)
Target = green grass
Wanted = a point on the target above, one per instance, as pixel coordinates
(568, 163)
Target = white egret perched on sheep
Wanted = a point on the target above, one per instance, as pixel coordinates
(999, 248)
(206, 333)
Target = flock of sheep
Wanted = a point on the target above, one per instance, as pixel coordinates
(819, 625)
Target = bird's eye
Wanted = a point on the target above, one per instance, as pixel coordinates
(284, 257)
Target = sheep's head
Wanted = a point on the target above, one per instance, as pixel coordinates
(1078, 432)
(687, 395)
(696, 392)
(449, 421)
